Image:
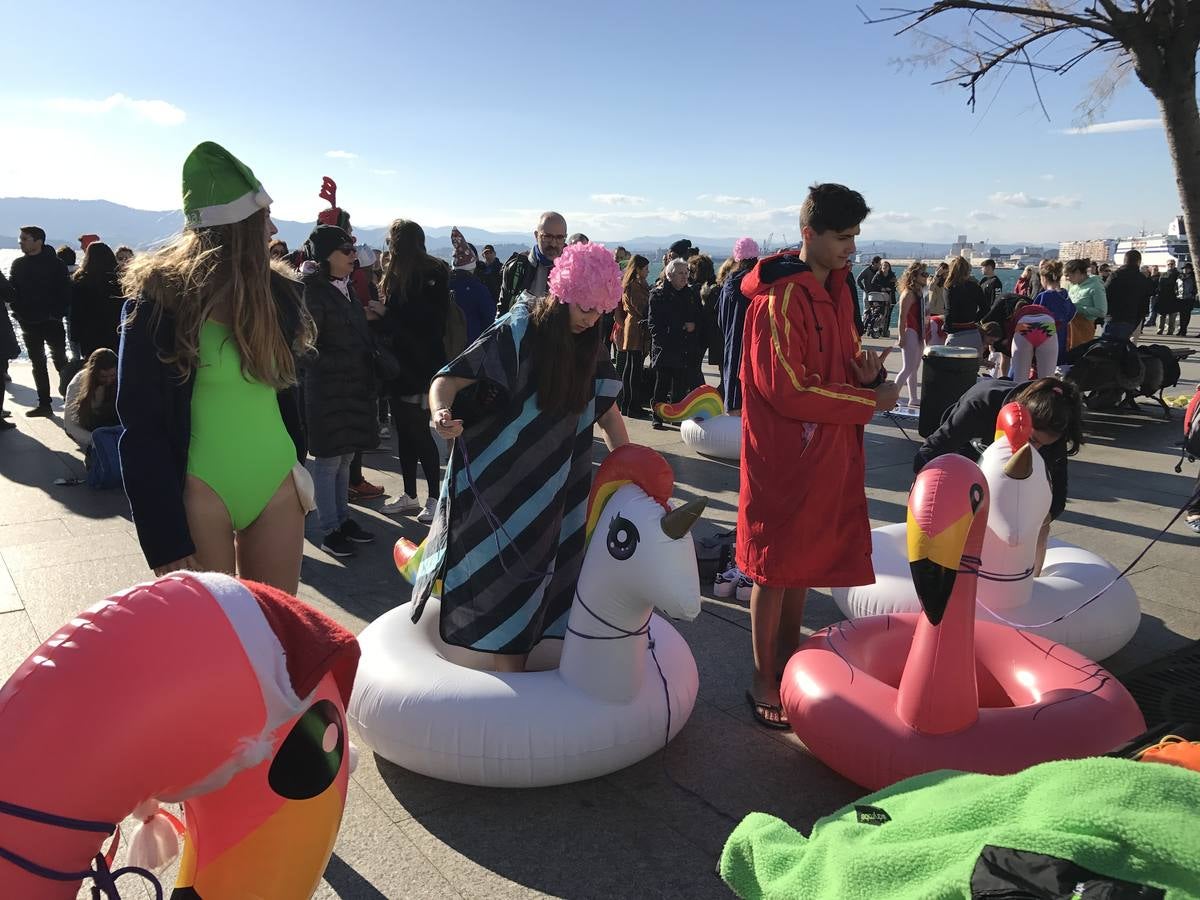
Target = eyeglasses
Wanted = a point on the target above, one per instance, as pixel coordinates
(559, 238)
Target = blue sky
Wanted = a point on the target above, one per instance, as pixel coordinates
(633, 118)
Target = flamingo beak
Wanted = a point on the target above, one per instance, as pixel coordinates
(934, 558)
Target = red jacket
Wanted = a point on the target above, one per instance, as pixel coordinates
(802, 510)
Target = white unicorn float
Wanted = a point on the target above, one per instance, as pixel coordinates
(1077, 600)
(618, 686)
(703, 423)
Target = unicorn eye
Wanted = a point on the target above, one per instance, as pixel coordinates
(623, 538)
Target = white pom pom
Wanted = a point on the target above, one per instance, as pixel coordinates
(155, 844)
(262, 199)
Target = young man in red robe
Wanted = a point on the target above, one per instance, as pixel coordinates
(808, 391)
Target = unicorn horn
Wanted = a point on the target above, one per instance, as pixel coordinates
(678, 522)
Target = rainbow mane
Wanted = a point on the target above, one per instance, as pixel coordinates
(702, 403)
(630, 464)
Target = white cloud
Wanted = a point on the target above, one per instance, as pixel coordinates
(383, 171)
(340, 154)
(940, 209)
(1117, 127)
(982, 215)
(160, 112)
(730, 200)
(1026, 201)
(892, 217)
(618, 199)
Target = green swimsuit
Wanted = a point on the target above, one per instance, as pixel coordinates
(239, 445)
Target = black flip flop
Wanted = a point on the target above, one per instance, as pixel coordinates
(756, 707)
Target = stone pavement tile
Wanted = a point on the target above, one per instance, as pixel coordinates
(9, 598)
(17, 641)
(84, 526)
(719, 768)
(586, 840)
(374, 860)
(1175, 549)
(21, 557)
(1168, 586)
(402, 794)
(33, 532)
(54, 594)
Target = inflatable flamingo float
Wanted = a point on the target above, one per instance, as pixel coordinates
(887, 697)
(618, 686)
(227, 696)
(703, 423)
(1078, 598)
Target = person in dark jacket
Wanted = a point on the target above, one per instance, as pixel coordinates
(488, 271)
(340, 406)
(731, 315)
(1187, 297)
(633, 336)
(531, 271)
(1168, 298)
(477, 303)
(42, 297)
(884, 282)
(703, 278)
(867, 276)
(9, 348)
(1129, 293)
(95, 301)
(990, 283)
(674, 321)
(206, 388)
(417, 291)
(1056, 409)
(966, 306)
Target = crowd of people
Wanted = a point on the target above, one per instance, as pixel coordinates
(240, 382)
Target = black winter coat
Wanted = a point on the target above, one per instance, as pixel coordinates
(670, 346)
(340, 407)
(155, 407)
(1168, 292)
(1129, 293)
(95, 315)
(9, 348)
(43, 289)
(710, 294)
(417, 327)
(966, 306)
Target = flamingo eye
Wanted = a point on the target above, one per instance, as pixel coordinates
(309, 758)
(976, 497)
(623, 538)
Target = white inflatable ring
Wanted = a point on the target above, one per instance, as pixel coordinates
(720, 436)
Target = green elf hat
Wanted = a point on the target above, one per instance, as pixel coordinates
(218, 188)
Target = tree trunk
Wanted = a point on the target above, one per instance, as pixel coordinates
(1181, 120)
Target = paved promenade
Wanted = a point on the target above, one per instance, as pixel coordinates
(653, 830)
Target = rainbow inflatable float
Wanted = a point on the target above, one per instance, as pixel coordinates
(224, 695)
(618, 686)
(703, 423)
(888, 697)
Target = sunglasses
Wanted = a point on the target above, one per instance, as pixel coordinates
(348, 250)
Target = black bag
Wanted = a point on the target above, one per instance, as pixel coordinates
(387, 367)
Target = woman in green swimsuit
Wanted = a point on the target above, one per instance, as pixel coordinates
(206, 388)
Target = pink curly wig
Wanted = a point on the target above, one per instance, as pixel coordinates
(588, 276)
(744, 248)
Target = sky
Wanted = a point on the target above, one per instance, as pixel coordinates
(633, 117)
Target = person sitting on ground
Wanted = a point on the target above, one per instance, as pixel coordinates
(1090, 300)
(340, 408)
(808, 391)
(520, 405)
(529, 272)
(96, 301)
(1056, 410)
(206, 387)
(92, 397)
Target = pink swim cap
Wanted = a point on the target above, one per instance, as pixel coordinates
(588, 276)
(744, 248)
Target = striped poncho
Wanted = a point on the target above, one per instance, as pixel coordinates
(505, 589)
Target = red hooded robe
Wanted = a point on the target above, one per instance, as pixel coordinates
(802, 510)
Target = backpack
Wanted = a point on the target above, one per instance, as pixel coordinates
(1170, 363)
(102, 459)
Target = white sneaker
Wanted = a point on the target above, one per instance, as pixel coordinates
(426, 515)
(744, 585)
(384, 432)
(402, 506)
(726, 583)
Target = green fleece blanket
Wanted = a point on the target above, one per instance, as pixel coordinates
(923, 837)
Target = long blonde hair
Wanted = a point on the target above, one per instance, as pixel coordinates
(204, 267)
(960, 271)
(908, 278)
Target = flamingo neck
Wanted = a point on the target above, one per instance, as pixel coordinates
(938, 693)
(604, 651)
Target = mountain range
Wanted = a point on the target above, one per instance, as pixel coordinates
(65, 220)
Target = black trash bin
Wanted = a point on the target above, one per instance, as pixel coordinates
(946, 375)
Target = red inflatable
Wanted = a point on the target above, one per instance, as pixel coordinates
(224, 695)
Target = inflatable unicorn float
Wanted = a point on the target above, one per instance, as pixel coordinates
(1077, 598)
(703, 423)
(887, 697)
(619, 685)
(230, 700)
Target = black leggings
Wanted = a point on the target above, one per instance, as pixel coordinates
(631, 380)
(414, 443)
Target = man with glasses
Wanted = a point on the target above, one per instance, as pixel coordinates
(531, 271)
(42, 295)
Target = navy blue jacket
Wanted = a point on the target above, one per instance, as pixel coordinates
(155, 406)
(475, 300)
(731, 315)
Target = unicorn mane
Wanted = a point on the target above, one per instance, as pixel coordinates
(630, 464)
